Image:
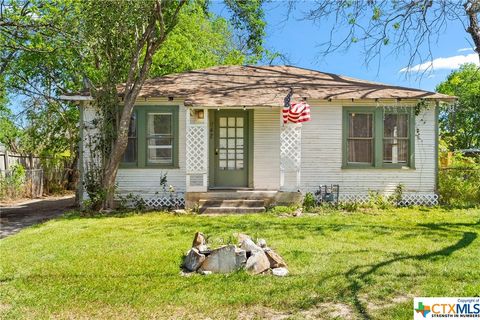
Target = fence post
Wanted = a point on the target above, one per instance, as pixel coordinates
(6, 160)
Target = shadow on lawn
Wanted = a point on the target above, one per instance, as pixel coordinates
(356, 277)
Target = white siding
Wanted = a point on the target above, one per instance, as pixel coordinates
(146, 181)
(266, 148)
(322, 157)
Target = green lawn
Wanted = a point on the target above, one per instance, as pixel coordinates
(352, 266)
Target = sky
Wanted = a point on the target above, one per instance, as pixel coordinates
(299, 40)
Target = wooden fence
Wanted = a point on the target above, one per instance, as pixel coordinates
(32, 186)
(8, 159)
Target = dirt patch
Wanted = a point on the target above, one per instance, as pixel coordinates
(18, 215)
(385, 304)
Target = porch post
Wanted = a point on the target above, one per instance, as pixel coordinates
(290, 154)
(196, 149)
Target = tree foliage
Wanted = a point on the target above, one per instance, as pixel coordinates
(460, 123)
(48, 48)
(402, 27)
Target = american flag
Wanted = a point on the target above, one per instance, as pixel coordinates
(295, 112)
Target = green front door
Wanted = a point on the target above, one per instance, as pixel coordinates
(231, 149)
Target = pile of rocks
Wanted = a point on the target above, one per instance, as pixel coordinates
(255, 258)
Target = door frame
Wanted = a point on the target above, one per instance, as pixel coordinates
(212, 113)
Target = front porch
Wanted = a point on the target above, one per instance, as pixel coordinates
(239, 201)
(238, 148)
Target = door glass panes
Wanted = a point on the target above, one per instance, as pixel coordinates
(231, 143)
(159, 138)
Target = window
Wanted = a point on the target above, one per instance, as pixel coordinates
(374, 138)
(395, 138)
(159, 138)
(130, 155)
(360, 138)
(152, 138)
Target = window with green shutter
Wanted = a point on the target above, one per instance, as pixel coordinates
(378, 138)
(153, 138)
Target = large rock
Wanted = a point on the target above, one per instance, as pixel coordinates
(276, 261)
(193, 260)
(257, 262)
(249, 246)
(199, 241)
(241, 257)
(224, 260)
(242, 236)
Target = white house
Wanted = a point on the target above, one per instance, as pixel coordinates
(219, 137)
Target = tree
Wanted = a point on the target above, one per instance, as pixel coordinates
(49, 48)
(397, 26)
(460, 124)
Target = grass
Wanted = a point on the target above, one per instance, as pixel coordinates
(353, 266)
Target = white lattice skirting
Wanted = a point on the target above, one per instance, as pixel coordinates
(160, 202)
(409, 199)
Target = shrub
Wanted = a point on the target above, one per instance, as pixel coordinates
(13, 182)
(459, 184)
(309, 201)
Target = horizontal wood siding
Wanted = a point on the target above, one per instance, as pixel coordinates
(266, 150)
(322, 157)
(147, 181)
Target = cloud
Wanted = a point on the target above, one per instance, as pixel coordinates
(465, 49)
(448, 63)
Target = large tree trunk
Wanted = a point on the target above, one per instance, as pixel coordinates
(149, 43)
(472, 8)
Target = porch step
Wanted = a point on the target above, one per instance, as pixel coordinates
(238, 195)
(238, 210)
(231, 205)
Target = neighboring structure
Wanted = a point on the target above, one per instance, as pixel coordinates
(221, 128)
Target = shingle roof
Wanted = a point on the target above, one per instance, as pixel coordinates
(268, 85)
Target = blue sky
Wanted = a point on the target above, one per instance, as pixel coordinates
(299, 41)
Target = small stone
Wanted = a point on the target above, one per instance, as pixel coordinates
(280, 272)
(257, 262)
(298, 212)
(186, 274)
(199, 240)
(249, 246)
(193, 260)
(262, 243)
(276, 261)
(222, 260)
(179, 211)
(205, 272)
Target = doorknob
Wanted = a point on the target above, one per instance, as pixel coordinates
(216, 151)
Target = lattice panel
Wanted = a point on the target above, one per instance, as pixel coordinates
(409, 199)
(196, 152)
(165, 202)
(162, 201)
(419, 200)
(291, 146)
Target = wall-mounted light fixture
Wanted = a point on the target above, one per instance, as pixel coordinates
(199, 114)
